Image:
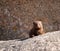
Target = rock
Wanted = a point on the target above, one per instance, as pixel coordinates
(16, 17)
(48, 42)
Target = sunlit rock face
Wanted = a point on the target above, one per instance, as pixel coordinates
(16, 17)
(47, 42)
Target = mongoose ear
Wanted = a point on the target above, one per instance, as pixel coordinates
(34, 23)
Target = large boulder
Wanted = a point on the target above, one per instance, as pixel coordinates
(47, 42)
(16, 17)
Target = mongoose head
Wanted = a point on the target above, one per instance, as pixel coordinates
(37, 24)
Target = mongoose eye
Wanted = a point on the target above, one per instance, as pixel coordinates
(39, 25)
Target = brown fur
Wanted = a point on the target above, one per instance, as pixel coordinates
(37, 29)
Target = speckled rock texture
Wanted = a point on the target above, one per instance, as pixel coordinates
(16, 17)
(47, 42)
